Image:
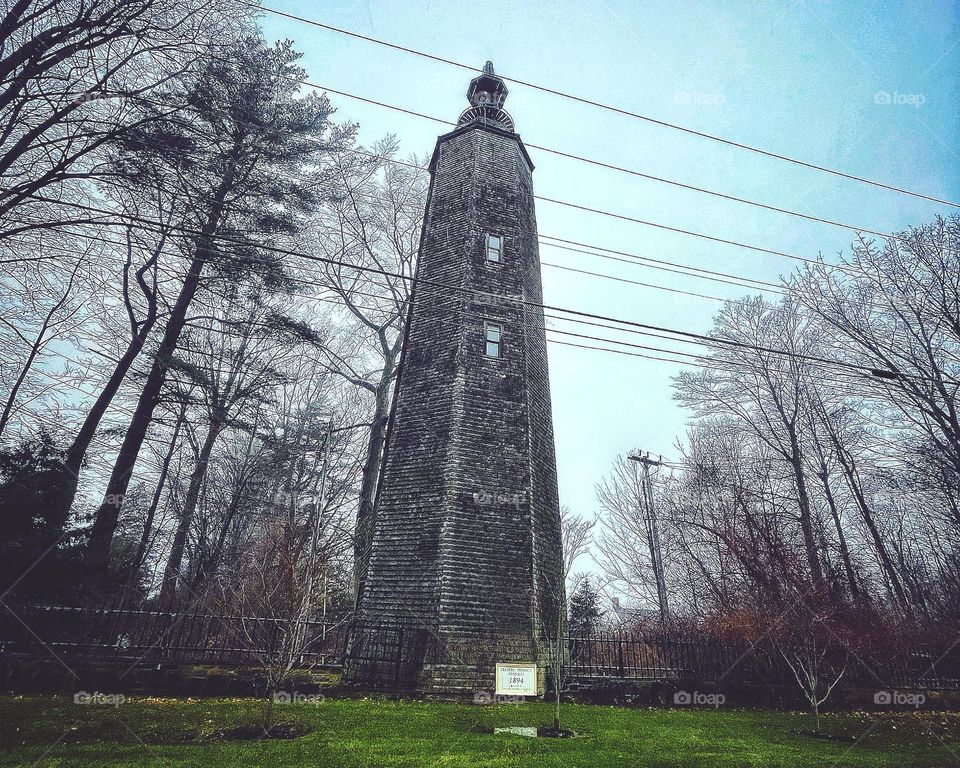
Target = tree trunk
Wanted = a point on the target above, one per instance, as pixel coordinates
(141, 555)
(171, 573)
(66, 483)
(105, 522)
(212, 563)
(806, 519)
(76, 453)
(886, 562)
(841, 539)
(371, 476)
(268, 710)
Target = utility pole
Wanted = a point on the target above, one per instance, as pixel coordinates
(653, 533)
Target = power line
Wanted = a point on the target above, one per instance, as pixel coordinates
(844, 377)
(355, 292)
(646, 261)
(624, 217)
(613, 167)
(644, 222)
(707, 274)
(703, 361)
(633, 282)
(551, 265)
(677, 230)
(698, 361)
(614, 109)
(702, 338)
(706, 340)
(662, 265)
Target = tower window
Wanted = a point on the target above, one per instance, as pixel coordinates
(494, 248)
(491, 336)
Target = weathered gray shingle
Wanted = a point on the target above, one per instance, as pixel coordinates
(466, 534)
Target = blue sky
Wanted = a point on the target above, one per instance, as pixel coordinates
(800, 79)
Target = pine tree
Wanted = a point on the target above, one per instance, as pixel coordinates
(247, 158)
(31, 530)
(585, 613)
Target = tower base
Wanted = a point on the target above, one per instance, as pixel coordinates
(418, 659)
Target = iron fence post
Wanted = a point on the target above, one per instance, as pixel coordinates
(399, 658)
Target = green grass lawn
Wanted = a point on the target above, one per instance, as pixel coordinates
(53, 731)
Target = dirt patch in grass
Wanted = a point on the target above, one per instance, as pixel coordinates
(834, 737)
(283, 731)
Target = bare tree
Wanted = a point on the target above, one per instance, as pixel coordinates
(69, 75)
(806, 640)
(374, 221)
(894, 307)
(765, 390)
(234, 363)
(576, 536)
(55, 321)
(575, 539)
(273, 582)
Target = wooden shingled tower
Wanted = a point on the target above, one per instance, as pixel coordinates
(465, 554)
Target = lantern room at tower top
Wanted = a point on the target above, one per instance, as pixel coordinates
(486, 95)
(487, 88)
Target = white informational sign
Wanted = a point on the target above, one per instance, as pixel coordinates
(516, 680)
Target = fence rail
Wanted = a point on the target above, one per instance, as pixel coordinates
(392, 653)
(145, 636)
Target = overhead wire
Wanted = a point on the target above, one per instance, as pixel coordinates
(622, 216)
(611, 108)
(705, 362)
(618, 168)
(696, 337)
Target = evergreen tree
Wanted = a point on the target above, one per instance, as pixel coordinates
(585, 612)
(29, 527)
(246, 155)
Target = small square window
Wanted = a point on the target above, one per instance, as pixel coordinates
(494, 248)
(491, 335)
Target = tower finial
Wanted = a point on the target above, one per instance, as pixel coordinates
(486, 95)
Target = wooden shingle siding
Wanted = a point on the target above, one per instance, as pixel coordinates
(466, 532)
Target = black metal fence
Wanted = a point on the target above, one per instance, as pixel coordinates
(391, 655)
(690, 655)
(654, 656)
(387, 655)
(148, 636)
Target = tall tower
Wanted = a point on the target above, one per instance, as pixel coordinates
(465, 547)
